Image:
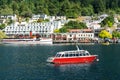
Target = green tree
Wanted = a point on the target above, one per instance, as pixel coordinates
(114, 4)
(69, 8)
(52, 9)
(75, 25)
(26, 14)
(9, 21)
(25, 10)
(27, 19)
(63, 30)
(65, 7)
(87, 11)
(2, 35)
(116, 34)
(15, 6)
(2, 26)
(85, 3)
(105, 34)
(109, 21)
(72, 25)
(39, 20)
(110, 12)
(56, 31)
(74, 11)
(3, 2)
(6, 10)
(99, 6)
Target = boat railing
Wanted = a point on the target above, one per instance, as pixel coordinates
(73, 54)
(77, 47)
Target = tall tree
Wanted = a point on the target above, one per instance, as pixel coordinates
(114, 4)
(99, 6)
(105, 34)
(52, 9)
(2, 35)
(85, 3)
(65, 7)
(109, 21)
(3, 2)
(5, 11)
(70, 8)
(87, 11)
(15, 7)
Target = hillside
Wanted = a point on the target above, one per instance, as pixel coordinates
(69, 8)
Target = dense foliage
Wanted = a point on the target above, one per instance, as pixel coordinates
(105, 34)
(2, 35)
(2, 26)
(116, 34)
(72, 25)
(75, 25)
(109, 21)
(69, 8)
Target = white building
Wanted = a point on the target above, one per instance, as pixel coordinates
(93, 25)
(36, 17)
(44, 16)
(12, 17)
(80, 34)
(36, 28)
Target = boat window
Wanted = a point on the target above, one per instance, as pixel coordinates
(58, 55)
(87, 54)
(70, 55)
(62, 55)
(80, 54)
(83, 54)
(77, 54)
(66, 55)
(73, 54)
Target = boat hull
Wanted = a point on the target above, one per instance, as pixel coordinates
(27, 41)
(85, 59)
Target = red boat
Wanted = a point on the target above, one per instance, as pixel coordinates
(74, 56)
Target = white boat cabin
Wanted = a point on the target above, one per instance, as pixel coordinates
(76, 53)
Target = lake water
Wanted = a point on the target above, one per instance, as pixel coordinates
(28, 62)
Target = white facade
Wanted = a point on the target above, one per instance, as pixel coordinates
(85, 35)
(12, 17)
(80, 36)
(51, 18)
(36, 17)
(93, 25)
(36, 28)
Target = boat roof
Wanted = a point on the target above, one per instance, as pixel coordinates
(63, 52)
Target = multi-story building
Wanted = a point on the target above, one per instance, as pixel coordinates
(75, 35)
(24, 28)
(81, 34)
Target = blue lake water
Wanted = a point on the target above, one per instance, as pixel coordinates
(28, 62)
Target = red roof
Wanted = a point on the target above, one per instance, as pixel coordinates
(79, 30)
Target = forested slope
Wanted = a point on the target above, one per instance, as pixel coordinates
(69, 8)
